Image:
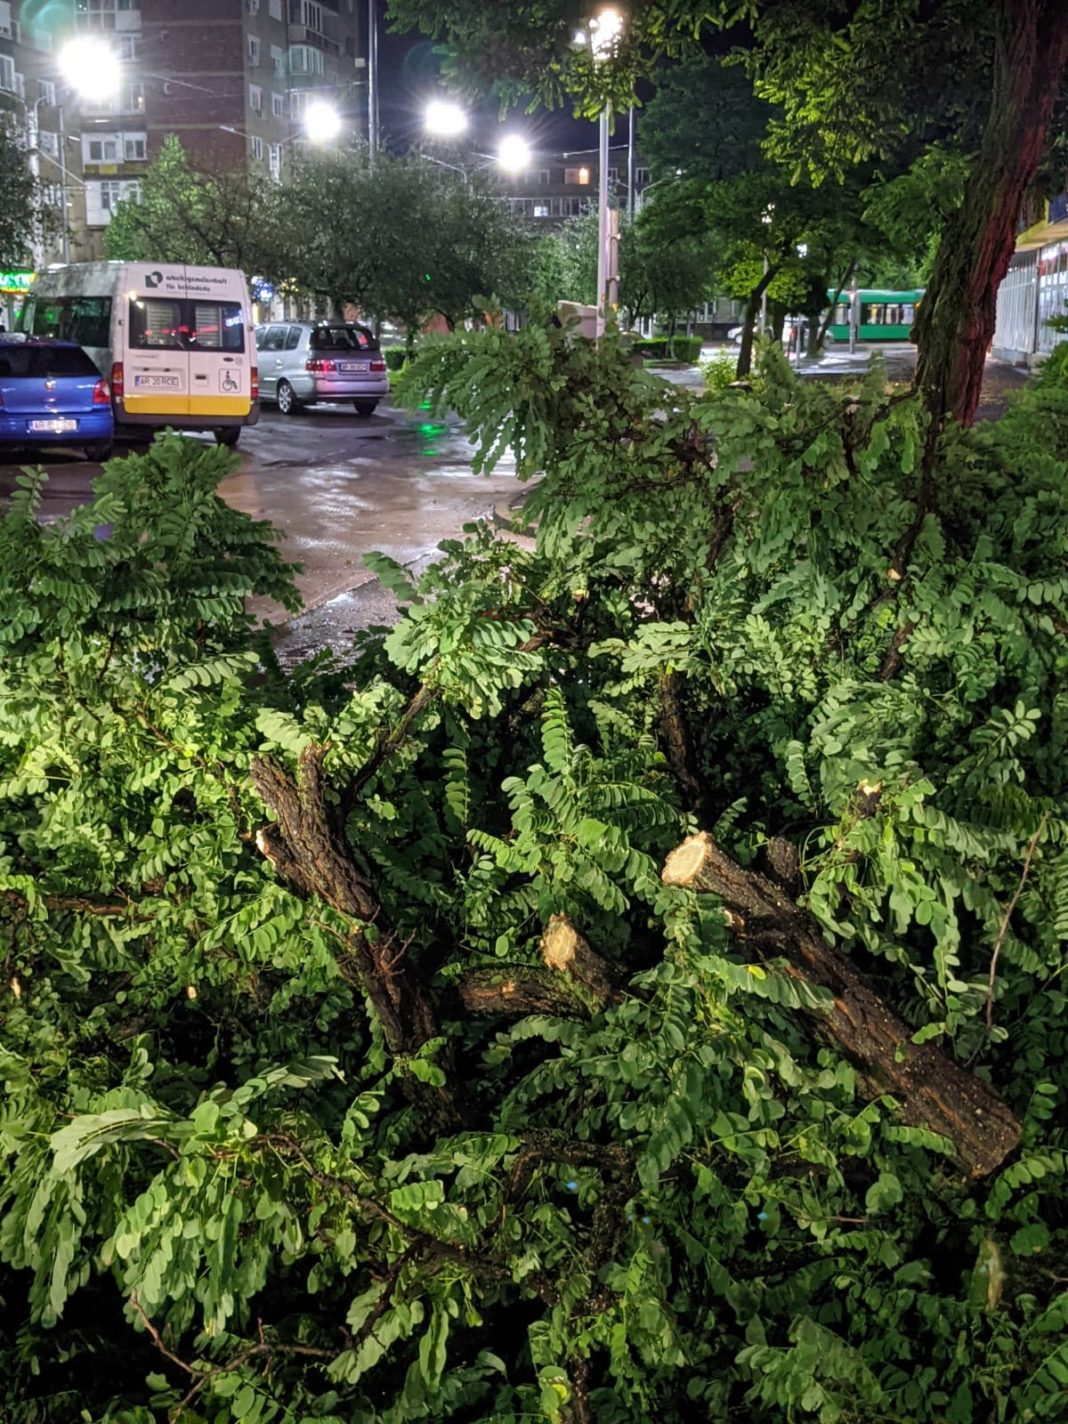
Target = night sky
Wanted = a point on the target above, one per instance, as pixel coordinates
(409, 78)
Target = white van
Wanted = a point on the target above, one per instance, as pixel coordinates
(175, 342)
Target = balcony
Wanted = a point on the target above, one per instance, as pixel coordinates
(304, 34)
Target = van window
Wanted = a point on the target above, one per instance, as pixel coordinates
(86, 320)
(156, 324)
(217, 326)
(167, 324)
(293, 339)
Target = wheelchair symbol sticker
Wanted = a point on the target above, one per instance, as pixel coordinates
(227, 382)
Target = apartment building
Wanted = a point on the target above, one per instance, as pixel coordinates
(230, 78)
(558, 186)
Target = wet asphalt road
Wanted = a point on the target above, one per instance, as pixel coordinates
(335, 486)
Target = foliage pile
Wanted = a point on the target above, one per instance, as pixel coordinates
(301, 1121)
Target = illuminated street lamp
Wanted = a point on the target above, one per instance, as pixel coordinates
(444, 119)
(513, 153)
(91, 70)
(322, 122)
(604, 31)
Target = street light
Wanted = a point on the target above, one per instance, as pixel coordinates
(90, 69)
(603, 31)
(765, 217)
(322, 122)
(444, 119)
(513, 153)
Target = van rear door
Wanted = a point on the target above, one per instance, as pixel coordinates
(155, 357)
(221, 351)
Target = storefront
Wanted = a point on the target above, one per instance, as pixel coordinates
(13, 289)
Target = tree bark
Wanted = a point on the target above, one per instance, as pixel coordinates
(752, 309)
(311, 854)
(564, 950)
(932, 1090)
(514, 990)
(955, 322)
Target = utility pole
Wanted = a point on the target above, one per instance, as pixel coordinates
(630, 165)
(372, 79)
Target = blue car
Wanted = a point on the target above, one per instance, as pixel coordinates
(51, 393)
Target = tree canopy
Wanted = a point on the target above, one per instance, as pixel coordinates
(20, 210)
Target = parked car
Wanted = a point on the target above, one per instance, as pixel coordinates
(51, 393)
(302, 362)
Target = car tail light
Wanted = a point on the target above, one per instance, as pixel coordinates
(378, 365)
(101, 393)
(255, 384)
(118, 385)
(318, 366)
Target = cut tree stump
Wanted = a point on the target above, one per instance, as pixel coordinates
(932, 1090)
(564, 950)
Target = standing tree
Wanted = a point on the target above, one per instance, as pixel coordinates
(190, 214)
(404, 238)
(852, 81)
(20, 211)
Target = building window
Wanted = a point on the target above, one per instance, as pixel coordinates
(104, 149)
(274, 161)
(255, 98)
(577, 175)
(307, 13)
(278, 62)
(305, 59)
(253, 51)
(129, 45)
(274, 9)
(48, 143)
(278, 105)
(252, 6)
(641, 177)
(46, 92)
(541, 210)
(135, 148)
(110, 196)
(256, 145)
(539, 175)
(7, 73)
(5, 19)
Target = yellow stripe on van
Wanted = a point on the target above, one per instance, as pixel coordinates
(187, 405)
(219, 405)
(156, 405)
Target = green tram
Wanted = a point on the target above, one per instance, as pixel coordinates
(883, 316)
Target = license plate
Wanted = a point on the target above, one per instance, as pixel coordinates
(354, 365)
(52, 427)
(170, 383)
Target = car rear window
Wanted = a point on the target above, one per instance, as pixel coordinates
(342, 338)
(30, 361)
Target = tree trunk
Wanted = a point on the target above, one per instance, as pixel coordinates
(752, 309)
(955, 322)
(932, 1090)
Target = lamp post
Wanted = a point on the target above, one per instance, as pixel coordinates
(604, 29)
(765, 217)
(90, 70)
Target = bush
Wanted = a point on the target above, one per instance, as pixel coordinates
(720, 371)
(359, 1063)
(668, 348)
(396, 357)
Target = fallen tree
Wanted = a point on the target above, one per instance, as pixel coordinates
(359, 1060)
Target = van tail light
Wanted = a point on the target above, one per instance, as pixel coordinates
(255, 384)
(101, 393)
(118, 385)
(319, 367)
(378, 366)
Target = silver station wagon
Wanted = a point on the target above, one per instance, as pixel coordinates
(302, 362)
